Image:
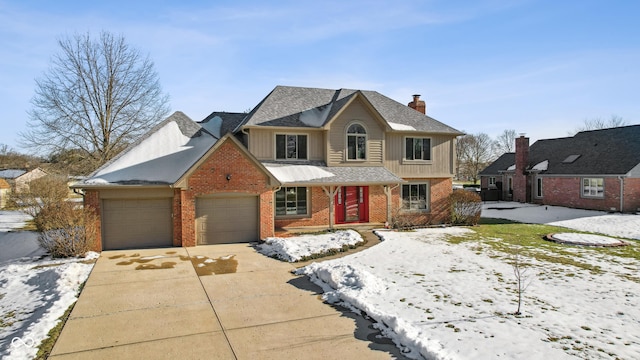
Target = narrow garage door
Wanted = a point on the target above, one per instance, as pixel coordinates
(136, 223)
(227, 220)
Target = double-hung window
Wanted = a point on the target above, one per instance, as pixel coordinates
(593, 187)
(492, 181)
(291, 147)
(417, 148)
(291, 201)
(356, 142)
(415, 196)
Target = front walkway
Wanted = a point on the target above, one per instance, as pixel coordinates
(209, 302)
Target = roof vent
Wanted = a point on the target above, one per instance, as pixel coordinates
(570, 159)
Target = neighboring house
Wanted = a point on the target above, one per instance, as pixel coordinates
(4, 192)
(19, 179)
(598, 170)
(302, 157)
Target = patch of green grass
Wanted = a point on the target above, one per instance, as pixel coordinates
(505, 236)
(46, 346)
(8, 319)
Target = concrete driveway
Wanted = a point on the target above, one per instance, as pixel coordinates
(209, 302)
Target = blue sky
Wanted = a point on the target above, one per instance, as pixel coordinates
(539, 67)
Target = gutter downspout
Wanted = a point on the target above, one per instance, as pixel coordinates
(621, 178)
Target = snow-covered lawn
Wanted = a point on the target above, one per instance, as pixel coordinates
(34, 290)
(447, 293)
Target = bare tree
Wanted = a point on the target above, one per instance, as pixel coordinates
(474, 154)
(505, 142)
(521, 273)
(600, 123)
(98, 96)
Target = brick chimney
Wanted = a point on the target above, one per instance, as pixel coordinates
(521, 190)
(418, 104)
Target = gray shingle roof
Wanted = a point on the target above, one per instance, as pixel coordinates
(287, 106)
(614, 151)
(501, 164)
(229, 120)
(11, 173)
(297, 174)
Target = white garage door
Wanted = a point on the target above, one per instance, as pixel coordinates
(136, 223)
(227, 220)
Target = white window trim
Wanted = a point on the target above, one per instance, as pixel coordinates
(420, 161)
(346, 141)
(292, 216)
(491, 181)
(275, 146)
(588, 196)
(539, 188)
(428, 199)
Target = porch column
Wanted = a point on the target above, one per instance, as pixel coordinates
(331, 193)
(387, 191)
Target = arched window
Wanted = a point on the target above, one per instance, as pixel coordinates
(356, 142)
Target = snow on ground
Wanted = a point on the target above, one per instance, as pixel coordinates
(34, 290)
(587, 239)
(620, 225)
(297, 247)
(441, 300)
(16, 244)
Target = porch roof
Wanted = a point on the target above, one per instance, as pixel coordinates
(318, 174)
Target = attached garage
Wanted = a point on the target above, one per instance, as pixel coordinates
(136, 223)
(227, 219)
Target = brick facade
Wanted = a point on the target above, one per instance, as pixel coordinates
(567, 191)
(210, 178)
(92, 200)
(319, 214)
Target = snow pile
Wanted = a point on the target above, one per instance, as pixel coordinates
(33, 295)
(296, 173)
(620, 225)
(439, 300)
(298, 247)
(586, 239)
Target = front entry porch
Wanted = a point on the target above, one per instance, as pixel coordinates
(352, 205)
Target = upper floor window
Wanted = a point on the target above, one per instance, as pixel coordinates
(356, 142)
(417, 148)
(291, 147)
(593, 187)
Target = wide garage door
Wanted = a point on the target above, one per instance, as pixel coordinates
(136, 223)
(223, 220)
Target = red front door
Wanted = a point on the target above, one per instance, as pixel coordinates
(352, 204)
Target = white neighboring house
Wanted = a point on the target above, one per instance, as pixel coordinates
(4, 192)
(19, 179)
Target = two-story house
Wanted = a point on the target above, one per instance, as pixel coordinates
(301, 157)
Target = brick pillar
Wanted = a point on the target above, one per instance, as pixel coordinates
(92, 201)
(521, 191)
